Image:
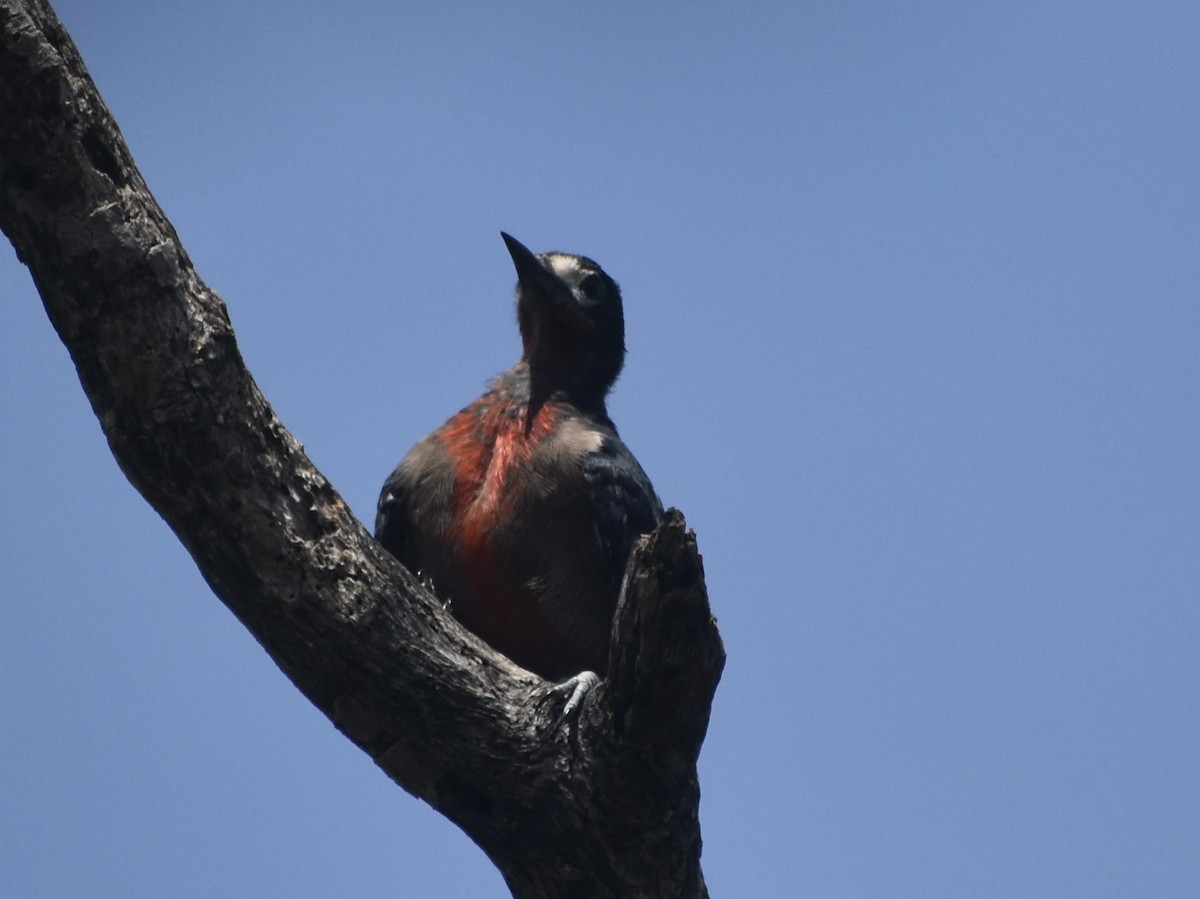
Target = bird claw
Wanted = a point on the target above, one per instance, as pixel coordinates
(577, 687)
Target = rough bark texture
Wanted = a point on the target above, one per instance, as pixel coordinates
(604, 806)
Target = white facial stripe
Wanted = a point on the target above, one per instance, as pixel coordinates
(562, 264)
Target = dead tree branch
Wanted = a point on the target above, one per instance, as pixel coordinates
(606, 807)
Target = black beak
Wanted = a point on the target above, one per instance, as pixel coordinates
(537, 282)
(522, 257)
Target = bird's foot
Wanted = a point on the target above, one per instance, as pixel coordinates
(576, 688)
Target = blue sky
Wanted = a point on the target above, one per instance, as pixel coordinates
(913, 313)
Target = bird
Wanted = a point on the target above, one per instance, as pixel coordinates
(520, 512)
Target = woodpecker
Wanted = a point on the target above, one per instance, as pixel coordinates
(521, 511)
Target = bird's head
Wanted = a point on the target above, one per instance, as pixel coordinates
(572, 324)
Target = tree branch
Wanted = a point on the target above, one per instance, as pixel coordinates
(604, 807)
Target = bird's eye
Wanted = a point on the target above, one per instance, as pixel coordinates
(591, 287)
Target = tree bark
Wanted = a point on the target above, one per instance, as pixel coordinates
(602, 805)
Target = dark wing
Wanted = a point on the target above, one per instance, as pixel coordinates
(623, 501)
(391, 518)
(414, 505)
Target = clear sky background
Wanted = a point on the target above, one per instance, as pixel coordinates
(913, 304)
